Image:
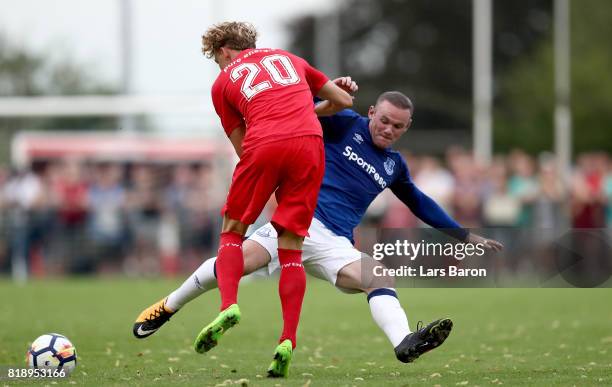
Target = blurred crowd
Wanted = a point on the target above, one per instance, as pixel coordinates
(79, 217)
(516, 190)
(71, 216)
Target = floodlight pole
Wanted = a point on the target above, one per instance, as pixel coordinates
(482, 51)
(563, 112)
(127, 57)
(327, 43)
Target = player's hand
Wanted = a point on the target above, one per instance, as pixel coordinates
(346, 84)
(488, 244)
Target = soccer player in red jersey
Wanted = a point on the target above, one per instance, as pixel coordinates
(264, 98)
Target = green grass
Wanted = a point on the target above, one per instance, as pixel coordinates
(539, 337)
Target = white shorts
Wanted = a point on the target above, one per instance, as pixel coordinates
(323, 254)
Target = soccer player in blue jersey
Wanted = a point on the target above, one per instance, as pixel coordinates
(360, 164)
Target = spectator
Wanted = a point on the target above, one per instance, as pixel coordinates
(69, 191)
(523, 185)
(23, 196)
(4, 251)
(548, 205)
(588, 198)
(467, 195)
(144, 208)
(203, 214)
(501, 209)
(106, 225)
(435, 181)
(608, 192)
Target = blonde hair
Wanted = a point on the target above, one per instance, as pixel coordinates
(235, 35)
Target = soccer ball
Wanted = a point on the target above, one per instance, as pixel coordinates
(52, 351)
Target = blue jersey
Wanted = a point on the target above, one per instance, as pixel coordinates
(356, 171)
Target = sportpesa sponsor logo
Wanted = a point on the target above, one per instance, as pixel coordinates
(352, 156)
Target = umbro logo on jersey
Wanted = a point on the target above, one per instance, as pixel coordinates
(358, 138)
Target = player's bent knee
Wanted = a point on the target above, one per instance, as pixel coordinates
(349, 278)
(233, 225)
(290, 240)
(370, 274)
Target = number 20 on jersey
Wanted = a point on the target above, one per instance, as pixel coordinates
(272, 65)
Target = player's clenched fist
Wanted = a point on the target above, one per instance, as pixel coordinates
(346, 84)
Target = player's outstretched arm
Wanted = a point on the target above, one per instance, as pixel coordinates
(426, 209)
(334, 97)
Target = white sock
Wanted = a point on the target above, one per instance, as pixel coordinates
(201, 281)
(388, 314)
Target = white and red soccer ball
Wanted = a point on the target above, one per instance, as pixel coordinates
(52, 351)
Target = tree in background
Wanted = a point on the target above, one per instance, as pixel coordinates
(524, 112)
(27, 74)
(424, 48)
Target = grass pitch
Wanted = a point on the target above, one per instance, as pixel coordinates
(539, 337)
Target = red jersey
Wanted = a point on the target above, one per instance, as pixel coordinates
(270, 92)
